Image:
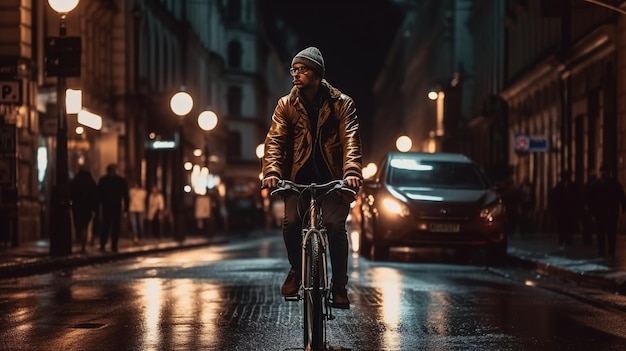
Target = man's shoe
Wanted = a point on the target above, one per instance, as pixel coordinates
(340, 298)
(292, 284)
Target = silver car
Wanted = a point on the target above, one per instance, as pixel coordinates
(429, 199)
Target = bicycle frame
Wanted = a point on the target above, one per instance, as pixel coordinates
(315, 286)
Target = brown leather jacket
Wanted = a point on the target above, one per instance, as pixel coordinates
(289, 143)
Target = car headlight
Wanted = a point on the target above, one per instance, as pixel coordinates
(396, 207)
(490, 212)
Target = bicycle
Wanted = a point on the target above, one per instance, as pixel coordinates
(314, 289)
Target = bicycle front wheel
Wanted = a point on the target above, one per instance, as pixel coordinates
(313, 306)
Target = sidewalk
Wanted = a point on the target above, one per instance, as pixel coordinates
(34, 257)
(539, 252)
(579, 264)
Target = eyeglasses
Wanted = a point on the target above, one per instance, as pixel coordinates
(298, 70)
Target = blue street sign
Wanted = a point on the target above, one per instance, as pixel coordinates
(528, 143)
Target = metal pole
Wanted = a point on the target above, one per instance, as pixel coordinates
(178, 194)
(61, 230)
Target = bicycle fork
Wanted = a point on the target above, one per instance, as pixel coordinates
(321, 234)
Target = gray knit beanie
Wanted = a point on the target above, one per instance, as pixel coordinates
(312, 58)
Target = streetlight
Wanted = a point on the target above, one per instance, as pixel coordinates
(404, 143)
(61, 225)
(207, 121)
(438, 96)
(181, 104)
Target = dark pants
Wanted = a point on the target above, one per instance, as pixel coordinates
(566, 226)
(111, 222)
(607, 233)
(334, 212)
(588, 227)
(155, 227)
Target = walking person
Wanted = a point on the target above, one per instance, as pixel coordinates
(526, 192)
(564, 207)
(314, 137)
(607, 202)
(137, 210)
(156, 206)
(588, 218)
(113, 193)
(84, 197)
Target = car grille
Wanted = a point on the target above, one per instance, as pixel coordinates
(447, 212)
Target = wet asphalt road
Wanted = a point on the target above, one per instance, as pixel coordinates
(225, 297)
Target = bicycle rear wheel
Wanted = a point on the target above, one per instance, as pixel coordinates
(313, 306)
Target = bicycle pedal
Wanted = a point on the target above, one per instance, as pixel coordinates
(292, 298)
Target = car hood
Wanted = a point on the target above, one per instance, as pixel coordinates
(437, 195)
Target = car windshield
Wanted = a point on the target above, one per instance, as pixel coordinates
(436, 174)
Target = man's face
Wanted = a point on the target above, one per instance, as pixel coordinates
(303, 77)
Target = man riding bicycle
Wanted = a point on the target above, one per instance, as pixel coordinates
(314, 138)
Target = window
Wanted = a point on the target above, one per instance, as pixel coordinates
(234, 97)
(233, 11)
(234, 54)
(234, 145)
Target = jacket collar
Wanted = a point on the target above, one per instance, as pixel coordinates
(294, 94)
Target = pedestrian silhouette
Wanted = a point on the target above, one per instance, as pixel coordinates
(137, 210)
(84, 196)
(607, 201)
(526, 192)
(588, 218)
(156, 208)
(564, 206)
(113, 192)
(511, 199)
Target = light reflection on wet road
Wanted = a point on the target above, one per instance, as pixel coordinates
(226, 298)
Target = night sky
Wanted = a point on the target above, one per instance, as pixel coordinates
(354, 37)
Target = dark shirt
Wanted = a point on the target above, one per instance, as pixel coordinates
(315, 168)
(564, 199)
(84, 195)
(607, 195)
(113, 193)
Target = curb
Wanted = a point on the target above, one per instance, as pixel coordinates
(607, 280)
(48, 264)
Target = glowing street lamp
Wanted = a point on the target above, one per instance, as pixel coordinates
(260, 151)
(63, 6)
(181, 103)
(404, 143)
(207, 120)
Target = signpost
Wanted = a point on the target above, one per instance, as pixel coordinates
(10, 92)
(530, 143)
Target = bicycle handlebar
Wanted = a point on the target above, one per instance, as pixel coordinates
(287, 185)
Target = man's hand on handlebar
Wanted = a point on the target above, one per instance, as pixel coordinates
(353, 182)
(270, 182)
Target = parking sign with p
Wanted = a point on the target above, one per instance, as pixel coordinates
(11, 92)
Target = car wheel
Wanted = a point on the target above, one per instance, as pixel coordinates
(379, 252)
(365, 245)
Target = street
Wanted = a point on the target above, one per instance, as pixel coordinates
(226, 297)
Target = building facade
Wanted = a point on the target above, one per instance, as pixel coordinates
(134, 56)
(539, 87)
